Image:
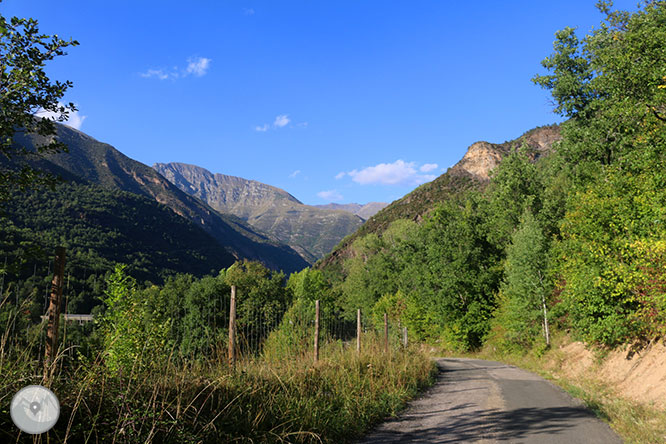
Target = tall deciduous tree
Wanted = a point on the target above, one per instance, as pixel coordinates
(612, 86)
(526, 287)
(25, 90)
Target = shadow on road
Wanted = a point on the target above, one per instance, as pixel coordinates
(489, 424)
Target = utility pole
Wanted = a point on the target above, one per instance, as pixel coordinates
(358, 331)
(386, 347)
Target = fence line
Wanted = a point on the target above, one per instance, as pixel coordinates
(247, 328)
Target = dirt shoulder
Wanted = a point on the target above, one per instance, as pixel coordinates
(625, 388)
(639, 376)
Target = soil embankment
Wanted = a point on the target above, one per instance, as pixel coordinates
(639, 376)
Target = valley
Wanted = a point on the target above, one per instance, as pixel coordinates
(190, 302)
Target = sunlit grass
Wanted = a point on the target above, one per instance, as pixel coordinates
(172, 400)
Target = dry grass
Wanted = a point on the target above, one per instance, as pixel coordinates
(290, 400)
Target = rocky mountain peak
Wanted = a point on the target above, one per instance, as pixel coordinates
(482, 157)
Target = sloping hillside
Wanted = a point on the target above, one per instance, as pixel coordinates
(100, 227)
(363, 211)
(311, 231)
(101, 164)
(472, 171)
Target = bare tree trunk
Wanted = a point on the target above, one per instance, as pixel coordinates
(54, 309)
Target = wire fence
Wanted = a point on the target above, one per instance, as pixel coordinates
(256, 324)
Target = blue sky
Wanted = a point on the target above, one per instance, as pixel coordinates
(346, 101)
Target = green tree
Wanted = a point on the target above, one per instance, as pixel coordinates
(294, 333)
(203, 322)
(133, 340)
(526, 285)
(261, 299)
(460, 273)
(611, 84)
(515, 183)
(25, 90)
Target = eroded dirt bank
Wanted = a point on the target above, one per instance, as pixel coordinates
(639, 376)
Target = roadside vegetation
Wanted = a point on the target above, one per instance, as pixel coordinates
(138, 376)
(574, 242)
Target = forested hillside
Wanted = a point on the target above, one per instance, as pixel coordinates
(100, 227)
(470, 173)
(572, 236)
(91, 161)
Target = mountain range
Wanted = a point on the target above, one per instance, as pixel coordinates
(90, 161)
(313, 231)
(244, 219)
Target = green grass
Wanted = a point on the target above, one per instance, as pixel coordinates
(171, 401)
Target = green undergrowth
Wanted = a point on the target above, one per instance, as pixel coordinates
(290, 400)
(638, 423)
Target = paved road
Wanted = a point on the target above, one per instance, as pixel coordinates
(490, 402)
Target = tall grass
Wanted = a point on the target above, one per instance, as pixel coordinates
(179, 401)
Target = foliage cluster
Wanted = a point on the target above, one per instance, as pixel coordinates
(578, 234)
(24, 91)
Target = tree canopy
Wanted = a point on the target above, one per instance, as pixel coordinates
(26, 90)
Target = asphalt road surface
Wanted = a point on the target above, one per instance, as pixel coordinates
(490, 402)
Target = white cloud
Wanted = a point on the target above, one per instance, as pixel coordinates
(426, 167)
(197, 66)
(281, 121)
(340, 175)
(396, 173)
(158, 73)
(295, 173)
(330, 195)
(248, 11)
(75, 119)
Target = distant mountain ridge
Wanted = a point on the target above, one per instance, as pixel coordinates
(363, 211)
(99, 163)
(472, 171)
(311, 231)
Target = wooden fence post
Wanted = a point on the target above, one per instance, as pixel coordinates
(54, 309)
(358, 331)
(386, 347)
(316, 335)
(232, 327)
(404, 337)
